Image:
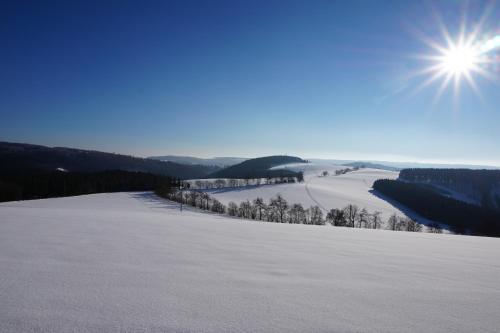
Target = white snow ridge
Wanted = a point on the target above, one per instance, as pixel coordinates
(130, 262)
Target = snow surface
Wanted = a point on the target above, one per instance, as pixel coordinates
(130, 262)
(328, 192)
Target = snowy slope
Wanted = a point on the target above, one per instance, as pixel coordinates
(327, 192)
(129, 262)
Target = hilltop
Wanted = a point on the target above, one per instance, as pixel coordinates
(258, 168)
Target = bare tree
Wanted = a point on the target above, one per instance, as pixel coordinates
(393, 222)
(281, 206)
(259, 205)
(218, 207)
(363, 217)
(232, 209)
(307, 214)
(409, 224)
(205, 197)
(253, 212)
(376, 220)
(351, 214)
(336, 217)
(316, 215)
(193, 196)
(245, 209)
(330, 216)
(271, 214)
(297, 214)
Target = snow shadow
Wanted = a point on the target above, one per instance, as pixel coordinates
(151, 200)
(154, 201)
(405, 210)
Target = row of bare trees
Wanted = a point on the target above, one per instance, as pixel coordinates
(339, 172)
(222, 183)
(276, 210)
(344, 171)
(280, 211)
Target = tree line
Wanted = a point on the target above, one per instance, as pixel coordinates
(480, 182)
(39, 185)
(207, 184)
(278, 210)
(477, 178)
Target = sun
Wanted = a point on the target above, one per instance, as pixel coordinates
(459, 60)
(466, 54)
(463, 59)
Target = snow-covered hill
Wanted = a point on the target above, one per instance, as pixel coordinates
(130, 262)
(325, 191)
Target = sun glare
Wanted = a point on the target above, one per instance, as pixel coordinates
(459, 60)
(471, 55)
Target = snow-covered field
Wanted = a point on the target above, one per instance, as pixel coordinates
(130, 262)
(326, 192)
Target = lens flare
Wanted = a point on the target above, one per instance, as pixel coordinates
(490, 44)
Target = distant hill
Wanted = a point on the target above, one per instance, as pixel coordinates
(20, 158)
(371, 165)
(405, 165)
(258, 168)
(222, 162)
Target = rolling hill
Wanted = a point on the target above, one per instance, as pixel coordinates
(222, 162)
(19, 158)
(258, 168)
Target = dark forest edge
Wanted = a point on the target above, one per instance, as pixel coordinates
(461, 217)
(41, 185)
(21, 159)
(483, 183)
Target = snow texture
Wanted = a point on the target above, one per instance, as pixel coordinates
(130, 262)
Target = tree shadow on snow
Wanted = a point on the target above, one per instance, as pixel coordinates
(407, 211)
(154, 201)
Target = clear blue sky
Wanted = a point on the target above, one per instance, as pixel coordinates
(325, 79)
